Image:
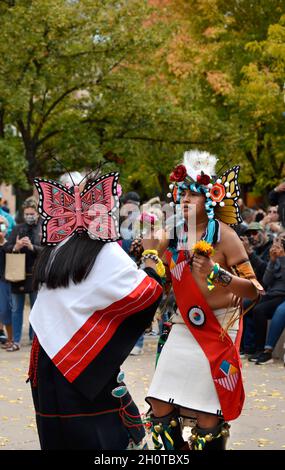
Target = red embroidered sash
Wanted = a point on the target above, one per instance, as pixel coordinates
(222, 354)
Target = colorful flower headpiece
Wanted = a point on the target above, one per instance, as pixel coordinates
(197, 173)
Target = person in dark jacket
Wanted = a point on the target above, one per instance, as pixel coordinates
(257, 243)
(274, 281)
(25, 238)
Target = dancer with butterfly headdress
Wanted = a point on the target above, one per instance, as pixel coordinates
(198, 374)
(92, 306)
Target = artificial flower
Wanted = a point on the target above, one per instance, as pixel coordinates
(203, 179)
(178, 174)
(203, 248)
(217, 192)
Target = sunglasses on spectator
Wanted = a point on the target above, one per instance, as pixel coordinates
(271, 212)
(253, 232)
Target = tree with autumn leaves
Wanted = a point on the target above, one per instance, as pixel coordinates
(136, 83)
(226, 70)
(73, 82)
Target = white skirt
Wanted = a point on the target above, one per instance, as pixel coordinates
(183, 375)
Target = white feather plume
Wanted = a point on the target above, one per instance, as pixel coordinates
(196, 161)
(66, 180)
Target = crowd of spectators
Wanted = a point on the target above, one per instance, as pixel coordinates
(262, 233)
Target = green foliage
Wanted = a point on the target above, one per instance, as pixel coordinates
(138, 82)
(12, 162)
(72, 78)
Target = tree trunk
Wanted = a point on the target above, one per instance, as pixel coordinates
(21, 196)
(31, 172)
(164, 186)
(2, 132)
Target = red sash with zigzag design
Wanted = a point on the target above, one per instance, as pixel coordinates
(221, 352)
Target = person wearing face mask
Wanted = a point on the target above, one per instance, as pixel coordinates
(25, 238)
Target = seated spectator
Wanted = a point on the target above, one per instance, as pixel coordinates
(257, 243)
(274, 282)
(276, 328)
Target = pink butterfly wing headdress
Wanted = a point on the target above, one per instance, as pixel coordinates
(94, 211)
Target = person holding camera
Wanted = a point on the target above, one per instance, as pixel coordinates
(271, 221)
(257, 244)
(276, 197)
(274, 282)
(25, 238)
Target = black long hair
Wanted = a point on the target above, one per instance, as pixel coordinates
(56, 267)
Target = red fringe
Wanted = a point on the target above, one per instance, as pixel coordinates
(34, 357)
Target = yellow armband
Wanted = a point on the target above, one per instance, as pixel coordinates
(153, 254)
(245, 271)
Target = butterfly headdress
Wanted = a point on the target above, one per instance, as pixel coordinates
(67, 211)
(197, 173)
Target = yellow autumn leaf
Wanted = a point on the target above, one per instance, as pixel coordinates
(275, 393)
(263, 441)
